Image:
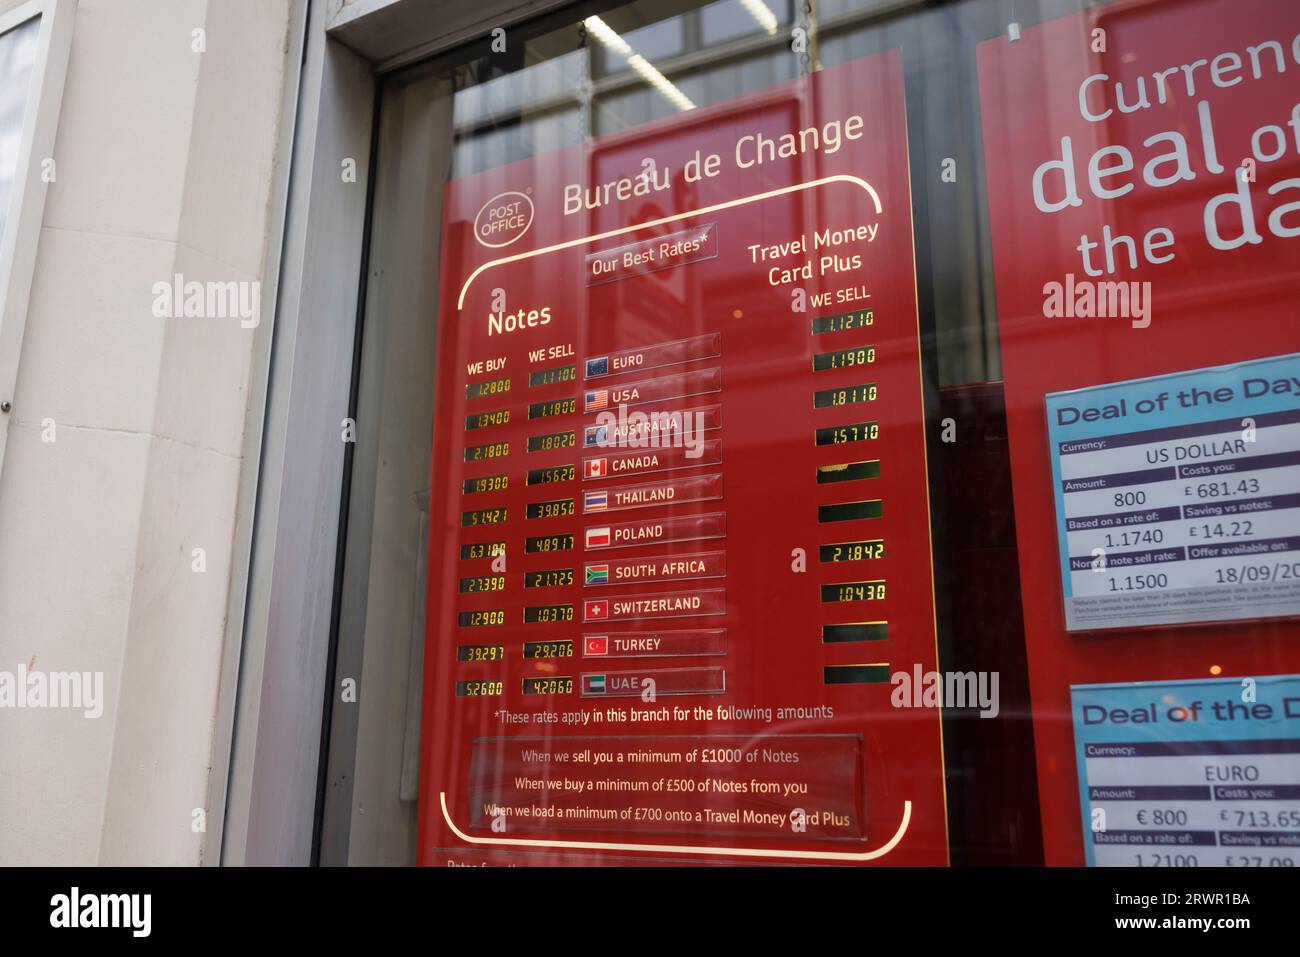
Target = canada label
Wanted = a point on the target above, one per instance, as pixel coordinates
(613, 463)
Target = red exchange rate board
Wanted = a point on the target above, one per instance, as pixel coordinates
(679, 533)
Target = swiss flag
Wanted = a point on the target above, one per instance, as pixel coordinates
(594, 646)
(595, 608)
(596, 468)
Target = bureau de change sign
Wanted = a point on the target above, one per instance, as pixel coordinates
(680, 528)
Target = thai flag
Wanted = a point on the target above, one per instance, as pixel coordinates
(595, 501)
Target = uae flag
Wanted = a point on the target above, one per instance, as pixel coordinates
(598, 537)
(593, 684)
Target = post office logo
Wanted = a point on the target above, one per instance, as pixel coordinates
(503, 219)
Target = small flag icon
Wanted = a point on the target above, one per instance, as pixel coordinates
(597, 366)
(595, 646)
(594, 610)
(594, 435)
(595, 501)
(597, 574)
(597, 468)
(593, 684)
(594, 401)
(598, 537)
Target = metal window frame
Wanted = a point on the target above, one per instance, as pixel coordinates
(27, 202)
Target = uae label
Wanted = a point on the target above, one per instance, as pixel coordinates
(651, 682)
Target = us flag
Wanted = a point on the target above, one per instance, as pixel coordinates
(594, 401)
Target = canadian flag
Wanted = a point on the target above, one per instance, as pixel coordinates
(597, 468)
